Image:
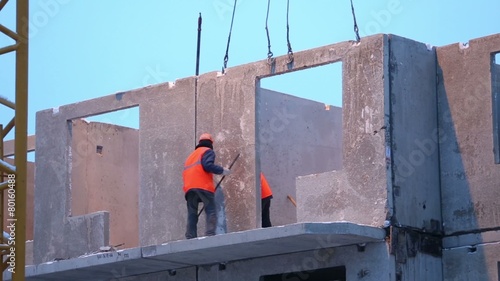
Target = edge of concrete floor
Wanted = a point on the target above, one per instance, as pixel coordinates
(216, 249)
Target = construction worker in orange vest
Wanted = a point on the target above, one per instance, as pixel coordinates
(266, 195)
(199, 185)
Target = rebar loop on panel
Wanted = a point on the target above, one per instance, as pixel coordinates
(270, 60)
(356, 29)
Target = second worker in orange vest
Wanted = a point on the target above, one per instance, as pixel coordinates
(266, 195)
(199, 185)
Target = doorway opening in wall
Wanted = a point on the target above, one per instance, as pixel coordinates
(495, 90)
(323, 274)
(299, 131)
(105, 171)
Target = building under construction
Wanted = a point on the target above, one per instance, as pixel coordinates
(400, 183)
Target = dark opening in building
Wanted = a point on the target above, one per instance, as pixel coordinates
(495, 90)
(322, 274)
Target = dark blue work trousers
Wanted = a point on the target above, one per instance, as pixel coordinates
(193, 197)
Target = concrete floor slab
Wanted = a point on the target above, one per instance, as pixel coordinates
(100, 266)
(264, 242)
(220, 248)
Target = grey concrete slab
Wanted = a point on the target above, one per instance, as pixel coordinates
(226, 109)
(53, 175)
(358, 192)
(495, 87)
(166, 139)
(469, 175)
(207, 250)
(100, 266)
(177, 275)
(264, 242)
(359, 265)
(297, 137)
(471, 263)
(414, 135)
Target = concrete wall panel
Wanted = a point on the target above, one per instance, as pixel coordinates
(361, 184)
(297, 137)
(478, 262)
(469, 175)
(414, 135)
(226, 109)
(55, 232)
(52, 192)
(166, 139)
(495, 81)
(422, 267)
(358, 265)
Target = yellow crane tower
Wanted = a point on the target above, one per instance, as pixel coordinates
(13, 177)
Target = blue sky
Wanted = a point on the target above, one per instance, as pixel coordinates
(82, 49)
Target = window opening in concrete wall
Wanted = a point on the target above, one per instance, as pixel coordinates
(498, 270)
(323, 274)
(126, 117)
(299, 131)
(495, 80)
(105, 171)
(321, 84)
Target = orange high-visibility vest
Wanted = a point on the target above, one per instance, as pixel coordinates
(265, 190)
(194, 176)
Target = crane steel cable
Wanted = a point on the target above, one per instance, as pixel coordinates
(290, 52)
(226, 57)
(269, 53)
(356, 29)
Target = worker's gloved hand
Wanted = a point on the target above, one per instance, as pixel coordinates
(226, 172)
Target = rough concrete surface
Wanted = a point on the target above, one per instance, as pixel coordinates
(166, 139)
(361, 184)
(414, 135)
(359, 265)
(495, 87)
(469, 175)
(297, 137)
(318, 238)
(389, 114)
(53, 234)
(226, 109)
(477, 262)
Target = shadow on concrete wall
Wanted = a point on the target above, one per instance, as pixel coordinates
(457, 202)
